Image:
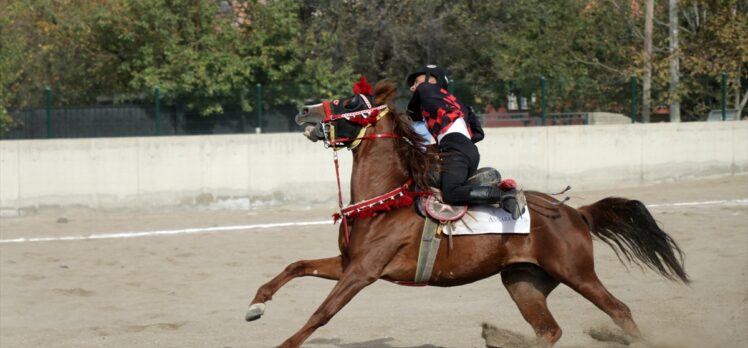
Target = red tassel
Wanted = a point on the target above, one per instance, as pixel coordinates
(508, 184)
(406, 200)
(362, 87)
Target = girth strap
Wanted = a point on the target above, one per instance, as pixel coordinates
(430, 241)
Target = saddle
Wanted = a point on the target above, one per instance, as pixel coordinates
(433, 207)
(438, 214)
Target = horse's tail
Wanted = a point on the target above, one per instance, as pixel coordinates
(629, 229)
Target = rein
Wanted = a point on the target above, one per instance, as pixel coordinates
(398, 197)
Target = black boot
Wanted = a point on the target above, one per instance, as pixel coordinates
(494, 195)
(485, 194)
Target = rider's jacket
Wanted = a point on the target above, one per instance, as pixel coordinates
(438, 108)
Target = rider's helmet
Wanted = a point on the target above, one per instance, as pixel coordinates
(433, 70)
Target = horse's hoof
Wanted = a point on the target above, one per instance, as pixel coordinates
(255, 311)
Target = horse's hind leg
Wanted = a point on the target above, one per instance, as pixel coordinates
(329, 268)
(529, 287)
(591, 288)
(579, 274)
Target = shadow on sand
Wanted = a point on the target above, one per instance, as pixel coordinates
(377, 343)
(496, 338)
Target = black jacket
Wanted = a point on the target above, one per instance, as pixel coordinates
(439, 109)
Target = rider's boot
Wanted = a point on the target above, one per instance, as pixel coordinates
(493, 195)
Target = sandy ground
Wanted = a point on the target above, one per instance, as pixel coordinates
(192, 290)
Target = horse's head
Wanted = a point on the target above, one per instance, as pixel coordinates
(339, 122)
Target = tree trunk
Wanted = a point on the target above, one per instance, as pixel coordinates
(674, 63)
(647, 80)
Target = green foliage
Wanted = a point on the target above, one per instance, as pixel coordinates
(11, 55)
(184, 47)
(716, 41)
(203, 59)
(197, 56)
(492, 48)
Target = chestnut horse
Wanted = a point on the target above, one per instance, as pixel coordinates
(385, 246)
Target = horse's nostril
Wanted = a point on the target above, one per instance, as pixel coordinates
(305, 111)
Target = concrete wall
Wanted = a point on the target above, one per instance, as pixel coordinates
(163, 171)
(607, 156)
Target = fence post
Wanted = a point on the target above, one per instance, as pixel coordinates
(542, 100)
(157, 96)
(258, 107)
(48, 93)
(632, 86)
(724, 96)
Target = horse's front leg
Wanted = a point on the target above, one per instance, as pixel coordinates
(356, 277)
(329, 268)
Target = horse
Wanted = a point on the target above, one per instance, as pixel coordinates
(385, 245)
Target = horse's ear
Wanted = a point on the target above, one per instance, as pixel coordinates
(384, 91)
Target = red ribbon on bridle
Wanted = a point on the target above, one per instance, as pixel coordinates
(399, 197)
(364, 117)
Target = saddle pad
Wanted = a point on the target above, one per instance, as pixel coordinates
(486, 219)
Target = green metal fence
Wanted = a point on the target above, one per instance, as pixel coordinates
(622, 95)
(551, 101)
(147, 119)
(156, 119)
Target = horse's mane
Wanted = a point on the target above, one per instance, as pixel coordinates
(419, 159)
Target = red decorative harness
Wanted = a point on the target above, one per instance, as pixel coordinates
(400, 197)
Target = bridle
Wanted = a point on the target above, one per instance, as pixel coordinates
(365, 118)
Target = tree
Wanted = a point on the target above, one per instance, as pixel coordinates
(44, 43)
(55, 45)
(583, 48)
(208, 55)
(11, 63)
(716, 41)
(186, 48)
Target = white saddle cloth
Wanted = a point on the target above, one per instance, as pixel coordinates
(486, 219)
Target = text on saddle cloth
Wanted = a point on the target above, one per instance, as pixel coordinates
(488, 219)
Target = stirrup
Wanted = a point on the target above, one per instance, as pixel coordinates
(517, 204)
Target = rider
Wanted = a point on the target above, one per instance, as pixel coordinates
(447, 121)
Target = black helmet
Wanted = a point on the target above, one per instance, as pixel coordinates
(438, 72)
